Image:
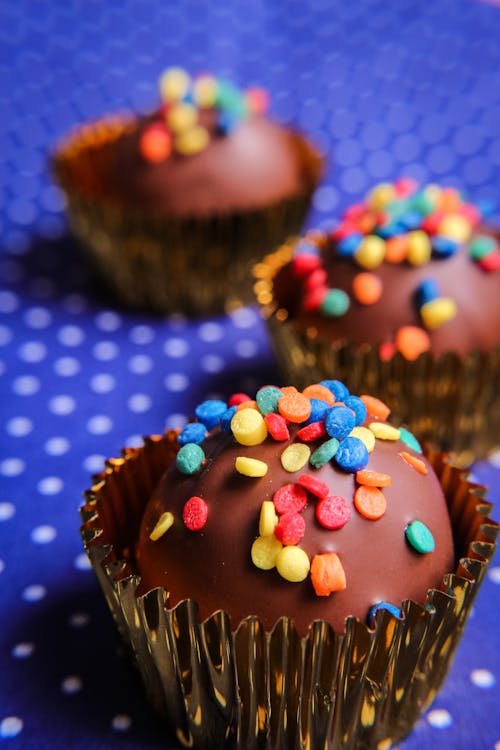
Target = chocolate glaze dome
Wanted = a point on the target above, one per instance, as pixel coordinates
(213, 515)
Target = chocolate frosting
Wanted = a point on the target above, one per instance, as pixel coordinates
(213, 566)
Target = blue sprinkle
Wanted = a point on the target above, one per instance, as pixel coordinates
(390, 230)
(209, 412)
(427, 290)
(410, 219)
(370, 618)
(358, 407)
(352, 455)
(227, 121)
(339, 390)
(349, 244)
(194, 432)
(409, 439)
(444, 247)
(339, 421)
(225, 420)
(318, 410)
(486, 207)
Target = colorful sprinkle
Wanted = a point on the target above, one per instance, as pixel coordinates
(352, 455)
(481, 246)
(337, 388)
(333, 512)
(319, 393)
(324, 453)
(311, 432)
(250, 467)
(294, 406)
(181, 116)
(339, 421)
(295, 457)
(265, 551)
(267, 519)
(419, 248)
(192, 140)
(384, 431)
(365, 435)
(314, 485)
(438, 311)
(373, 478)
(190, 458)
(162, 525)
(248, 427)
(409, 439)
(414, 462)
(194, 513)
(225, 420)
(412, 341)
(318, 409)
(367, 288)
(420, 537)
(155, 143)
(290, 498)
(193, 432)
(237, 399)
(375, 407)
(335, 303)
(358, 407)
(267, 399)
(327, 574)
(371, 252)
(370, 502)
(209, 412)
(290, 528)
(173, 84)
(292, 563)
(277, 427)
(381, 606)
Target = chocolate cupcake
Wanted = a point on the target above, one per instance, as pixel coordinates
(291, 571)
(402, 299)
(175, 206)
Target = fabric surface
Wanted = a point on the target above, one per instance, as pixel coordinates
(384, 89)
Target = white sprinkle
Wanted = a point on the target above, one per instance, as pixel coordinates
(5, 335)
(439, 718)
(19, 426)
(246, 348)
(8, 301)
(26, 385)
(102, 383)
(140, 364)
(175, 421)
(108, 321)
(121, 723)
(244, 317)
(32, 351)
(82, 562)
(139, 403)
(7, 510)
(141, 334)
(93, 464)
(176, 347)
(37, 317)
(71, 335)
(105, 351)
(71, 685)
(57, 446)
(212, 363)
(43, 534)
(50, 485)
(11, 726)
(23, 650)
(210, 332)
(100, 424)
(177, 381)
(79, 620)
(34, 593)
(12, 467)
(482, 678)
(67, 366)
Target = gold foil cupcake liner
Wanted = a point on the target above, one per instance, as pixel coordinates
(165, 264)
(452, 401)
(247, 688)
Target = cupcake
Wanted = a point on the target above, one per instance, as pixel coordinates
(289, 571)
(174, 206)
(402, 299)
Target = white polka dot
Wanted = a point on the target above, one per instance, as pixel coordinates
(494, 459)
(79, 619)
(57, 446)
(23, 650)
(5, 335)
(71, 335)
(177, 381)
(102, 383)
(212, 363)
(140, 364)
(141, 334)
(121, 723)
(439, 718)
(176, 347)
(11, 726)
(210, 332)
(134, 441)
(175, 421)
(26, 385)
(67, 366)
(95, 463)
(246, 348)
(12, 467)
(74, 303)
(8, 301)
(7, 510)
(244, 317)
(105, 351)
(482, 678)
(43, 534)
(82, 562)
(32, 351)
(50, 485)
(62, 405)
(2, 566)
(37, 317)
(100, 424)
(325, 198)
(71, 685)
(108, 321)
(19, 426)
(139, 403)
(34, 593)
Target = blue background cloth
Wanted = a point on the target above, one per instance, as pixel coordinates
(384, 89)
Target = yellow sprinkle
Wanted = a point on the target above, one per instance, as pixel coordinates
(181, 117)
(173, 83)
(381, 196)
(293, 564)
(419, 248)
(248, 427)
(192, 141)
(295, 456)
(264, 552)
(250, 467)
(455, 227)
(384, 431)
(365, 435)
(371, 252)
(268, 518)
(163, 524)
(205, 91)
(438, 311)
(433, 192)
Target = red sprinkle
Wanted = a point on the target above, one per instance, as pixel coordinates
(238, 398)
(304, 264)
(333, 512)
(313, 300)
(290, 498)
(432, 222)
(317, 278)
(386, 351)
(195, 513)
(290, 528)
(343, 230)
(314, 485)
(313, 431)
(276, 425)
(491, 262)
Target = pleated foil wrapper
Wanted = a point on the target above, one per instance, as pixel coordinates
(450, 401)
(163, 264)
(223, 685)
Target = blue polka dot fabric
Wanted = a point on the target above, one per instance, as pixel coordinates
(384, 89)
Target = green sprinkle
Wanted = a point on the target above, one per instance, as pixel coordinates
(420, 537)
(336, 303)
(324, 453)
(422, 203)
(267, 399)
(409, 439)
(190, 458)
(481, 246)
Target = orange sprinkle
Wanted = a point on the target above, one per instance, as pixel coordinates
(415, 462)
(412, 341)
(327, 574)
(370, 502)
(155, 144)
(286, 389)
(295, 407)
(375, 407)
(367, 288)
(449, 199)
(396, 249)
(319, 391)
(373, 478)
(247, 405)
